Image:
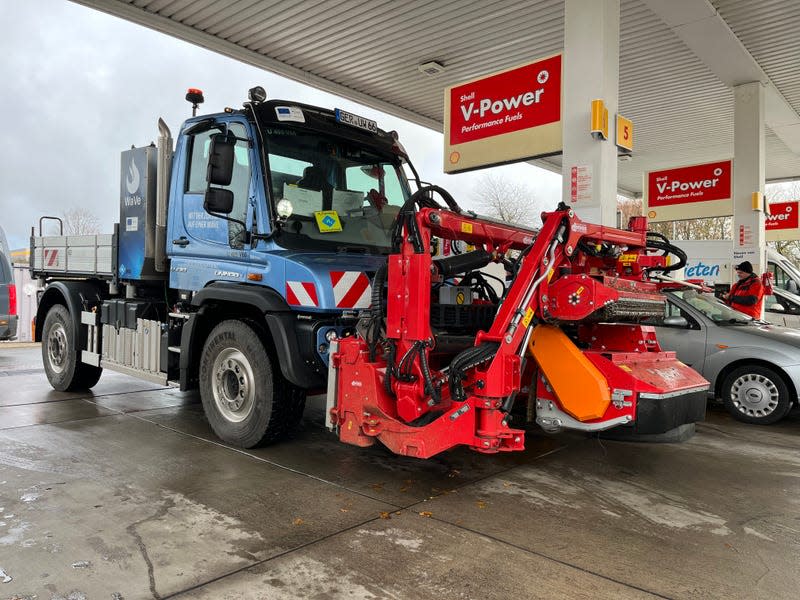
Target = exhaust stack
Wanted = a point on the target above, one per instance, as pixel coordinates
(162, 193)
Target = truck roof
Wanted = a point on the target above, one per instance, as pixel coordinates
(315, 118)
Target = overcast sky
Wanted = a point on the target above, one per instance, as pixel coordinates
(79, 86)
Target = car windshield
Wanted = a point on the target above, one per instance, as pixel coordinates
(711, 307)
(342, 195)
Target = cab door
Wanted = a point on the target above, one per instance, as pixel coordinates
(205, 247)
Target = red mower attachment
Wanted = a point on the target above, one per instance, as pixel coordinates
(564, 336)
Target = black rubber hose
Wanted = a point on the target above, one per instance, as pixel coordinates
(377, 288)
(430, 388)
(376, 310)
(662, 243)
(461, 263)
(390, 368)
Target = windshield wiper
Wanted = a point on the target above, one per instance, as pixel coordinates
(735, 321)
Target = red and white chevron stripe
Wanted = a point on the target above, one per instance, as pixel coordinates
(351, 289)
(301, 293)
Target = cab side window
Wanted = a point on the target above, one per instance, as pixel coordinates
(201, 224)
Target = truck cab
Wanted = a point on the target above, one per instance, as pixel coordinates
(785, 274)
(308, 162)
(338, 188)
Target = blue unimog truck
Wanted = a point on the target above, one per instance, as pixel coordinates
(238, 257)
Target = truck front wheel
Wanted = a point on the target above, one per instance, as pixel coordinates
(60, 353)
(245, 398)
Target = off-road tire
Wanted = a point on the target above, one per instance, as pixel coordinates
(61, 353)
(246, 399)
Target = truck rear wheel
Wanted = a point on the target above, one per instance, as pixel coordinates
(61, 353)
(245, 398)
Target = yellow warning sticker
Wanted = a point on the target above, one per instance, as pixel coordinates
(628, 258)
(527, 318)
(466, 227)
(625, 368)
(460, 298)
(328, 221)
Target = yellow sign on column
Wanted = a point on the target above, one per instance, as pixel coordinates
(624, 133)
(599, 125)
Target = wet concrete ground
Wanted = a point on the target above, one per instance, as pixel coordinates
(125, 493)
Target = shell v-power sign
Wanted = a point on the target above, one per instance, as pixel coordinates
(504, 117)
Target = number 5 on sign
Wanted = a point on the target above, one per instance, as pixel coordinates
(624, 133)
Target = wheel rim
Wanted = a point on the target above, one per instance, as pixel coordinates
(755, 395)
(57, 348)
(233, 387)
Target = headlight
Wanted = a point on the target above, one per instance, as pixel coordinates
(284, 208)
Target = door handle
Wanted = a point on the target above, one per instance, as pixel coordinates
(181, 241)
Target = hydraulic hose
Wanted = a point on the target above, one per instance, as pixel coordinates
(658, 241)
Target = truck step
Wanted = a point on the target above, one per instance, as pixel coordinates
(184, 316)
(176, 349)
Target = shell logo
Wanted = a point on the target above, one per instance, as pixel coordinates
(651, 214)
(455, 157)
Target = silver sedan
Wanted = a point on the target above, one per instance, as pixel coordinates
(753, 366)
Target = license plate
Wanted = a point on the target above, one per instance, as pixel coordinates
(356, 121)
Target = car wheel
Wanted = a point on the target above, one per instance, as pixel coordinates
(245, 398)
(756, 394)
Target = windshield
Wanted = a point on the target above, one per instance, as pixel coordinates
(342, 195)
(711, 307)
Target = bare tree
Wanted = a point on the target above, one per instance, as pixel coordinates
(80, 221)
(507, 200)
(627, 208)
(711, 228)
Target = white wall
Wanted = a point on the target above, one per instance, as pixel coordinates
(26, 302)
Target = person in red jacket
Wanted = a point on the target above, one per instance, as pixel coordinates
(747, 294)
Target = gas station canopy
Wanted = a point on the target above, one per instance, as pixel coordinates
(678, 60)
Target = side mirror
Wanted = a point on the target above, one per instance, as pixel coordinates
(220, 159)
(676, 321)
(218, 200)
(776, 308)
